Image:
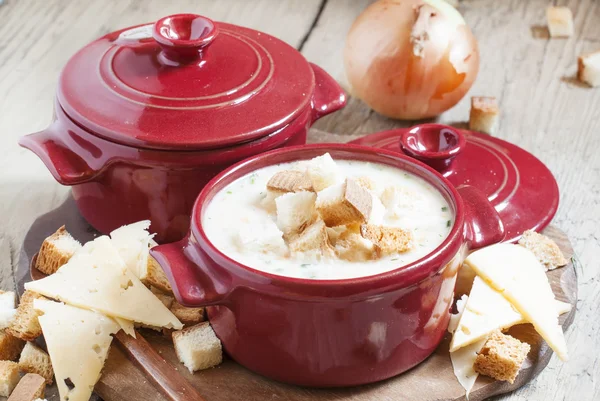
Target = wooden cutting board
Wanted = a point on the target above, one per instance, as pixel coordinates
(124, 380)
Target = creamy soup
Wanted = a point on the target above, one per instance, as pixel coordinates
(242, 222)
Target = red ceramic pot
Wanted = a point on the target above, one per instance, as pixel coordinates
(329, 332)
(146, 116)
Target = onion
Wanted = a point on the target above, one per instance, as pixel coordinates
(410, 59)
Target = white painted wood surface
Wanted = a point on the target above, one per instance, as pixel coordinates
(543, 110)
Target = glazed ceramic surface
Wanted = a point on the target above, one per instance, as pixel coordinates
(517, 184)
(329, 332)
(146, 116)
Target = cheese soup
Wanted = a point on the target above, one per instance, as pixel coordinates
(298, 223)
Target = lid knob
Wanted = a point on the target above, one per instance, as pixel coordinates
(433, 144)
(183, 36)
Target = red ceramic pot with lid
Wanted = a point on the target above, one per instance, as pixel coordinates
(329, 332)
(146, 116)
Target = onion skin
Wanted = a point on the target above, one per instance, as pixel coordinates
(410, 79)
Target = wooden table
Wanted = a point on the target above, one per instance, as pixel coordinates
(544, 110)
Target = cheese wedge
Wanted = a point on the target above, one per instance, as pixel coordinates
(96, 278)
(516, 273)
(133, 243)
(126, 325)
(463, 360)
(78, 341)
(486, 311)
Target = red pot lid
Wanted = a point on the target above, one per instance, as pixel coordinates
(185, 82)
(520, 187)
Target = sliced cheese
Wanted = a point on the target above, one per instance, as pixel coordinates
(486, 311)
(133, 243)
(126, 325)
(78, 341)
(516, 273)
(96, 278)
(463, 360)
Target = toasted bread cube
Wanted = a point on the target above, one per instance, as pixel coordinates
(290, 181)
(366, 183)
(9, 377)
(30, 387)
(560, 22)
(324, 172)
(588, 70)
(354, 248)
(260, 236)
(35, 360)
(198, 347)
(312, 238)
(344, 204)
(295, 211)
(10, 346)
(546, 250)
(56, 250)
(25, 324)
(484, 114)
(155, 276)
(166, 299)
(378, 211)
(387, 240)
(7, 308)
(187, 316)
(501, 357)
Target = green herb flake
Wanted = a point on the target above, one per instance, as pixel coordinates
(229, 192)
(444, 208)
(393, 259)
(305, 265)
(406, 175)
(252, 178)
(449, 223)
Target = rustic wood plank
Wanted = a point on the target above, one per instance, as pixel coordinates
(544, 111)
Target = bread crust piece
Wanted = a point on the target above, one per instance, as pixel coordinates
(387, 240)
(290, 181)
(25, 325)
(352, 205)
(544, 249)
(560, 22)
(30, 387)
(155, 276)
(10, 346)
(198, 347)
(484, 114)
(187, 316)
(501, 357)
(9, 377)
(51, 258)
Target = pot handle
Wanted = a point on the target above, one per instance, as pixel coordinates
(329, 95)
(192, 285)
(66, 166)
(483, 226)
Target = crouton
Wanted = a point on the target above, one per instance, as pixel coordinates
(7, 308)
(560, 22)
(344, 204)
(56, 250)
(387, 240)
(354, 248)
(261, 235)
(10, 346)
(35, 360)
(290, 181)
(367, 183)
(295, 211)
(334, 233)
(9, 377)
(25, 324)
(484, 114)
(198, 347)
(312, 238)
(546, 250)
(187, 316)
(166, 299)
(268, 202)
(323, 172)
(501, 357)
(588, 68)
(30, 387)
(378, 211)
(155, 276)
